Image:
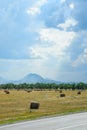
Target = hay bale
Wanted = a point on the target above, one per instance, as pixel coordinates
(34, 105)
(62, 95)
(6, 91)
(79, 92)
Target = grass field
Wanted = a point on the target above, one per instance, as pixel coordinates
(15, 106)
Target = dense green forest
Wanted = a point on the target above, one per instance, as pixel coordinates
(42, 86)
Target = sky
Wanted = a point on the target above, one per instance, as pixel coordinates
(47, 37)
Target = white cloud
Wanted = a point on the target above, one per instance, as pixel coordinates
(35, 9)
(72, 5)
(53, 43)
(63, 1)
(41, 3)
(82, 59)
(80, 46)
(69, 23)
(51, 52)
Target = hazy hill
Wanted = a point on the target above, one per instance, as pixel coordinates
(30, 78)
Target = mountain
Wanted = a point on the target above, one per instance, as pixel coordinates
(35, 78)
(30, 78)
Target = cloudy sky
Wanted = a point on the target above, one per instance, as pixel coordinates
(47, 37)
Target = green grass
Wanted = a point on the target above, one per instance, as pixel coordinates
(15, 106)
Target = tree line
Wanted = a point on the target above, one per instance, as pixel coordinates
(43, 86)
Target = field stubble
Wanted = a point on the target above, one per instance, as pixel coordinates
(15, 106)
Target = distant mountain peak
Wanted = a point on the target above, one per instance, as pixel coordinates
(33, 74)
(31, 78)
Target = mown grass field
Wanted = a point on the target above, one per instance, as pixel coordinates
(15, 106)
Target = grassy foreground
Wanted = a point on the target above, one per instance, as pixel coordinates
(15, 106)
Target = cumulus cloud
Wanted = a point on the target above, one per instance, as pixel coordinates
(35, 9)
(50, 34)
(63, 1)
(53, 42)
(69, 23)
(78, 49)
(72, 5)
(81, 59)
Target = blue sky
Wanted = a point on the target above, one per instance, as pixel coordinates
(47, 37)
